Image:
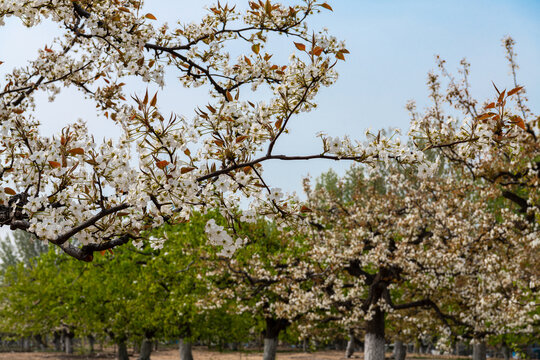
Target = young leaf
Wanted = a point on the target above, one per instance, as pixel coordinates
(76, 151)
(9, 191)
(340, 56)
(162, 164)
(515, 90)
(300, 46)
(317, 51)
(154, 100)
(187, 169)
(55, 164)
(255, 48)
(518, 121)
(501, 97)
(326, 6)
(228, 95)
(268, 7)
(241, 138)
(150, 16)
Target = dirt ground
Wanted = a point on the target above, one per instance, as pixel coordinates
(198, 354)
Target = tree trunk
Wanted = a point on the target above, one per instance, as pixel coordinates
(63, 340)
(270, 348)
(146, 349)
(271, 333)
(122, 351)
(479, 350)
(185, 350)
(40, 342)
(305, 345)
(350, 345)
(374, 343)
(26, 344)
(56, 341)
(400, 351)
(68, 339)
(506, 352)
(91, 341)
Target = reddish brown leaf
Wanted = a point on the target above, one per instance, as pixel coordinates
(317, 51)
(486, 116)
(300, 46)
(162, 164)
(9, 191)
(186, 169)
(268, 7)
(150, 16)
(326, 6)
(501, 97)
(76, 151)
(241, 138)
(55, 164)
(518, 121)
(515, 90)
(340, 56)
(154, 100)
(228, 95)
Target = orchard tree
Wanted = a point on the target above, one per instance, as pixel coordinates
(85, 196)
(258, 279)
(433, 243)
(496, 141)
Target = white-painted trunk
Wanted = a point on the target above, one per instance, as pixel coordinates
(400, 351)
(185, 350)
(350, 346)
(69, 344)
(146, 349)
(479, 350)
(270, 348)
(373, 347)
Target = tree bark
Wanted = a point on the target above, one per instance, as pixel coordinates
(57, 342)
(479, 350)
(146, 349)
(122, 351)
(374, 339)
(270, 348)
(68, 339)
(185, 350)
(40, 342)
(350, 345)
(271, 333)
(91, 341)
(26, 344)
(506, 352)
(400, 351)
(305, 345)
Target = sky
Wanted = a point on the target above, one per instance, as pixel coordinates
(392, 44)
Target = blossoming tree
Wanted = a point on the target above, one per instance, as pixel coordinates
(399, 243)
(86, 196)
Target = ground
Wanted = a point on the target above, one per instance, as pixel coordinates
(198, 354)
(204, 354)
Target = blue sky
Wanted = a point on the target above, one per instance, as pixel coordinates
(392, 45)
